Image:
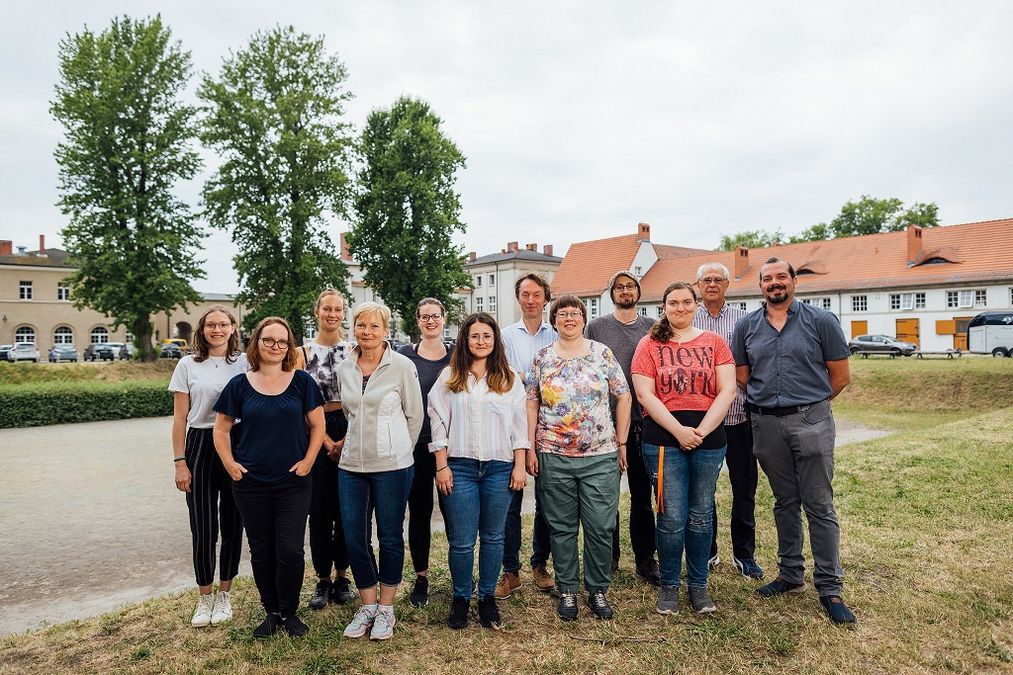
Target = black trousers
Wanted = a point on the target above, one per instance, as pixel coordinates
(212, 510)
(420, 505)
(641, 510)
(327, 537)
(742, 473)
(275, 518)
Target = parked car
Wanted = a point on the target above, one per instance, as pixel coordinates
(63, 353)
(23, 351)
(883, 344)
(170, 350)
(991, 333)
(111, 351)
(4, 349)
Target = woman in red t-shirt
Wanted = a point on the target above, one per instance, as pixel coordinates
(685, 380)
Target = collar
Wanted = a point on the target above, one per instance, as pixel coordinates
(721, 312)
(524, 329)
(793, 308)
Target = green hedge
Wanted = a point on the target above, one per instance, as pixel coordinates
(34, 405)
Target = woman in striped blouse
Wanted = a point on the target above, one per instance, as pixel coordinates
(480, 434)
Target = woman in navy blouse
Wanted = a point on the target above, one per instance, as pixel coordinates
(282, 430)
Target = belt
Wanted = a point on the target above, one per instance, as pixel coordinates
(783, 411)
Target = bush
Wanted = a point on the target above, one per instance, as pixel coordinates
(34, 405)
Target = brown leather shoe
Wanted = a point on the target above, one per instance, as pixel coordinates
(543, 580)
(508, 583)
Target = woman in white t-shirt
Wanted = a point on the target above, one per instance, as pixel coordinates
(197, 382)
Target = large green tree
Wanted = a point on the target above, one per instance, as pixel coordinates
(406, 209)
(127, 143)
(749, 239)
(275, 115)
(869, 215)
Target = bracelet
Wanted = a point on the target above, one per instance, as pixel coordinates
(445, 466)
(622, 445)
(178, 459)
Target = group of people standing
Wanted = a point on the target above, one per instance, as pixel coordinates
(351, 434)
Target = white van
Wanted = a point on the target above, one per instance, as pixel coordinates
(991, 333)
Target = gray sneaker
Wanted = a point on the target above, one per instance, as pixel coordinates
(701, 601)
(383, 625)
(361, 623)
(668, 600)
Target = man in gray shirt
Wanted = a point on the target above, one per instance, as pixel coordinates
(792, 359)
(622, 331)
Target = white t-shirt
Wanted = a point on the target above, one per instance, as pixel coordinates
(204, 382)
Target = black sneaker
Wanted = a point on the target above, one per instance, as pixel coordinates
(647, 570)
(748, 567)
(268, 627)
(458, 618)
(320, 594)
(779, 587)
(341, 591)
(488, 612)
(295, 626)
(838, 611)
(567, 607)
(420, 592)
(599, 604)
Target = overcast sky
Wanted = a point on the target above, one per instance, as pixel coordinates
(580, 119)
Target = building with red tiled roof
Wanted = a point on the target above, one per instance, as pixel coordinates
(920, 285)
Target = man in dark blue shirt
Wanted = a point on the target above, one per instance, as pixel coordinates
(792, 359)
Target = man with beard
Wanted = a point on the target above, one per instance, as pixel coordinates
(792, 359)
(621, 331)
(714, 314)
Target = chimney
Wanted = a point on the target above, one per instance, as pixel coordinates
(472, 256)
(914, 243)
(643, 232)
(42, 243)
(512, 247)
(345, 253)
(22, 250)
(6, 247)
(531, 247)
(547, 249)
(741, 261)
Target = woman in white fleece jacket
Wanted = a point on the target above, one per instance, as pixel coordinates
(383, 403)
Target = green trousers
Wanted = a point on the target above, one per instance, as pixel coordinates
(580, 491)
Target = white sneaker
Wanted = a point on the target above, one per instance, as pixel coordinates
(223, 608)
(383, 625)
(361, 622)
(712, 563)
(205, 607)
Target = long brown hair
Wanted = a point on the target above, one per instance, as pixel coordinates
(662, 331)
(498, 375)
(253, 348)
(199, 342)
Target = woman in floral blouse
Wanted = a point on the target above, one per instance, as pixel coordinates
(576, 452)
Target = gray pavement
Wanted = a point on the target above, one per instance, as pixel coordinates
(90, 519)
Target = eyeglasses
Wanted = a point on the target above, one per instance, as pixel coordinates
(271, 343)
(484, 337)
(218, 326)
(707, 281)
(569, 315)
(625, 287)
(430, 317)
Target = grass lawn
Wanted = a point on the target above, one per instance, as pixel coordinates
(115, 371)
(927, 517)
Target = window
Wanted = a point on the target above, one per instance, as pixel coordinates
(25, 290)
(24, 334)
(492, 303)
(592, 308)
(478, 281)
(964, 299)
(478, 304)
(661, 311)
(99, 335)
(642, 311)
(637, 271)
(859, 303)
(822, 303)
(446, 332)
(62, 292)
(980, 298)
(742, 305)
(492, 279)
(63, 336)
(907, 301)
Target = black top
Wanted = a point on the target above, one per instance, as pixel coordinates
(273, 434)
(655, 434)
(428, 372)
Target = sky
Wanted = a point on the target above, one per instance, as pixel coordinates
(581, 119)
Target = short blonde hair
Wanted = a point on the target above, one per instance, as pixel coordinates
(372, 309)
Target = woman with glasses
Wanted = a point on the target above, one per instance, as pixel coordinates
(480, 434)
(576, 452)
(383, 403)
(430, 355)
(196, 384)
(320, 357)
(685, 379)
(281, 432)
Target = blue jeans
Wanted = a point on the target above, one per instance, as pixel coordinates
(384, 493)
(478, 504)
(687, 520)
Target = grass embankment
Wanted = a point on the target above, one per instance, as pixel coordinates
(116, 371)
(926, 518)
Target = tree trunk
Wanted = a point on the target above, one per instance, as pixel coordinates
(141, 328)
